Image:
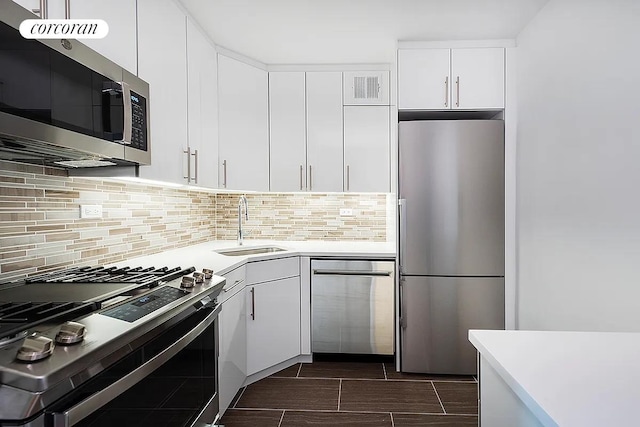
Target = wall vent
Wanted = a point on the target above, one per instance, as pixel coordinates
(366, 88)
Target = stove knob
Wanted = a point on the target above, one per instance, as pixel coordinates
(34, 348)
(187, 282)
(207, 273)
(198, 276)
(71, 333)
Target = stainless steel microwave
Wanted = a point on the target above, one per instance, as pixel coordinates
(65, 105)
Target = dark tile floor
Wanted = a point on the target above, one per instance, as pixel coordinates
(354, 394)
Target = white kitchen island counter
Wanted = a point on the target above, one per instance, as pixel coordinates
(567, 379)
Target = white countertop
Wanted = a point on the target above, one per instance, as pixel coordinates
(203, 255)
(568, 379)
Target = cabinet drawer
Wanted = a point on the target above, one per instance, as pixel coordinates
(235, 282)
(265, 271)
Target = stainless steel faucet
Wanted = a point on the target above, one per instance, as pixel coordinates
(242, 201)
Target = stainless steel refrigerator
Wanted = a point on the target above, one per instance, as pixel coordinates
(451, 240)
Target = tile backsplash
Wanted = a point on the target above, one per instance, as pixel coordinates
(41, 228)
(300, 216)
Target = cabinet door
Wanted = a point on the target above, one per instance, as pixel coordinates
(243, 125)
(324, 131)
(287, 131)
(120, 45)
(423, 79)
(366, 148)
(478, 78)
(162, 62)
(202, 109)
(232, 361)
(273, 323)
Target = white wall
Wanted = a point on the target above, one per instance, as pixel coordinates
(578, 167)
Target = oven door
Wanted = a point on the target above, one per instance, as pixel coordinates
(172, 380)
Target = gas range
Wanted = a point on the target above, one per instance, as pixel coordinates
(59, 331)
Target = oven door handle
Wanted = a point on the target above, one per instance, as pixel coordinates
(77, 413)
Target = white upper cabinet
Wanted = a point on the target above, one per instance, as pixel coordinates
(162, 62)
(120, 45)
(287, 131)
(201, 155)
(478, 78)
(366, 148)
(335, 147)
(324, 131)
(243, 113)
(451, 79)
(366, 87)
(424, 79)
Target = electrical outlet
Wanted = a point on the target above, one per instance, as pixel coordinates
(346, 211)
(90, 211)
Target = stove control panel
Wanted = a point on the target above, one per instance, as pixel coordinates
(140, 307)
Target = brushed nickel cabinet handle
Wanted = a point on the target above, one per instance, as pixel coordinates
(458, 91)
(67, 9)
(253, 303)
(188, 153)
(446, 91)
(310, 178)
(348, 179)
(42, 12)
(195, 160)
(224, 173)
(301, 173)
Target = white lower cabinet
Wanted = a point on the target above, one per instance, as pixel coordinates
(305, 305)
(259, 322)
(232, 361)
(273, 314)
(273, 323)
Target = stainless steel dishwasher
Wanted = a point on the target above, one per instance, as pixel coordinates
(352, 306)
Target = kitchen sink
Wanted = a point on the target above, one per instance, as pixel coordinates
(249, 251)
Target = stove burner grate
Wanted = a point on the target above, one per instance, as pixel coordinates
(104, 275)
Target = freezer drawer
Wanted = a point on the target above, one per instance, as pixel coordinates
(352, 307)
(436, 315)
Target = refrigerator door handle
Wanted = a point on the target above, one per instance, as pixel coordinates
(402, 211)
(403, 307)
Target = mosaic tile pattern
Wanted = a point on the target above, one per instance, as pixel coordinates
(41, 229)
(300, 216)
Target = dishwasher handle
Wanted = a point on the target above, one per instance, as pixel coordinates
(352, 273)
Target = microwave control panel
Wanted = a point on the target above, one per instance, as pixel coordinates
(139, 116)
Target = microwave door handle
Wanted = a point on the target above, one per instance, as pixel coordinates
(128, 114)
